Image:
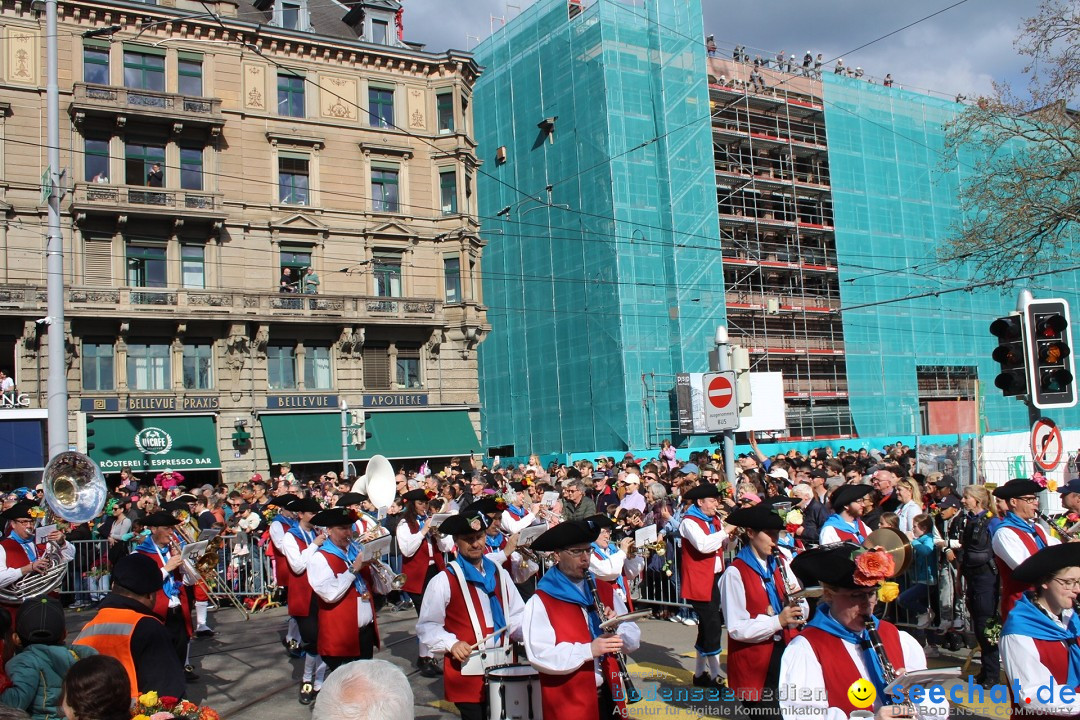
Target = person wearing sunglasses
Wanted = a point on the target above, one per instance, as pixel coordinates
(1019, 536)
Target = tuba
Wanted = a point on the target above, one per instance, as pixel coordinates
(75, 491)
(378, 482)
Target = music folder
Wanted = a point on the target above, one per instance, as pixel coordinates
(645, 536)
(192, 551)
(526, 536)
(376, 548)
(439, 518)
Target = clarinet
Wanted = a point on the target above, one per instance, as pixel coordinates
(888, 672)
(629, 691)
(1069, 535)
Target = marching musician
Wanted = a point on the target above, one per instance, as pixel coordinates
(19, 554)
(579, 675)
(702, 560)
(834, 649)
(518, 514)
(760, 620)
(606, 561)
(342, 581)
(1019, 536)
(301, 542)
(422, 558)
(1039, 639)
(172, 604)
(366, 525)
(845, 524)
(279, 526)
(198, 598)
(467, 602)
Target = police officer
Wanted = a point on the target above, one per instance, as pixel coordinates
(976, 561)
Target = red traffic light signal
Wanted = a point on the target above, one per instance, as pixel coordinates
(1051, 367)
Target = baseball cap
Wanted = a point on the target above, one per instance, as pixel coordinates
(40, 621)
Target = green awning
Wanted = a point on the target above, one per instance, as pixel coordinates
(153, 443)
(316, 437)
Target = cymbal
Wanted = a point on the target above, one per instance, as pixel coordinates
(893, 542)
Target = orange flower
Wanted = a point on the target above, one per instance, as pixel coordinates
(208, 714)
(873, 566)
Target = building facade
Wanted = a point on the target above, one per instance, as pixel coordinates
(269, 216)
(832, 197)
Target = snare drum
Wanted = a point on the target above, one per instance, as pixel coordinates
(514, 693)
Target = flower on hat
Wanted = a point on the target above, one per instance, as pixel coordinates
(500, 503)
(430, 494)
(888, 592)
(873, 566)
(37, 512)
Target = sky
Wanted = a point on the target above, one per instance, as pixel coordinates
(962, 50)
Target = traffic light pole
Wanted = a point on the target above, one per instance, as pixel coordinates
(722, 363)
(344, 439)
(56, 386)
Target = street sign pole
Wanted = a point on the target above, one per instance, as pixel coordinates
(722, 362)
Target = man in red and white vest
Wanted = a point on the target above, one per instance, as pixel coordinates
(19, 554)
(833, 650)
(702, 561)
(278, 527)
(760, 620)
(463, 606)
(301, 542)
(845, 524)
(342, 581)
(1019, 536)
(579, 674)
(1038, 641)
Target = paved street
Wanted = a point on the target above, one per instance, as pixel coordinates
(246, 675)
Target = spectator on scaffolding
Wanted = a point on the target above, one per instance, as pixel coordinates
(807, 61)
(710, 46)
(818, 62)
(858, 72)
(887, 82)
(757, 83)
(780, 61)
(838, 69)
(736, 54)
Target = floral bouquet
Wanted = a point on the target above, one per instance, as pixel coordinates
(270, 512)
(992, 631)
(793, 520)
(149, 706)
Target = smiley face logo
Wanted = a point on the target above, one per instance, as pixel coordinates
(862, 693)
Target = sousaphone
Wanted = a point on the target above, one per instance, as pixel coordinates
(378, 482)
(893, 542)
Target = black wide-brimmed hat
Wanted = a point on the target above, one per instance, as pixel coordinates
(160, 519)
(333, 517)
(827, 565)
(763, 516)
(488, 505)
(351, 498)
(416, 495)
(847, 494)
(566, 534)
(138, 573)
(604, 521)
(19, 511)
(702, 491)
(282, 501)
(465, 523)
(1018, 487)
(1046, 562)
(308, 504)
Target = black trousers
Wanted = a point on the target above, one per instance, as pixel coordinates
(309, 627)
(176, 626)
(982, 600)
(710, 631)
(473, 711)
(367, 649)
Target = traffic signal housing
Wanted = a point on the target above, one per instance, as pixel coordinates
(1009, 330)
(358, 434)
(84, 432)
(1048, 346)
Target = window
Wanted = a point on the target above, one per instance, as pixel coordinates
(295, 261)
(384, 190)
(317, 367)
(376, 367)
(381, 107)
(96, 159)
(290, 16)
(139, 159)
(189, 74)
(293, 183)
(281, 367)
(146, 265)
(444, 104)
(290, 95)
(191, 168)
(448, 191)
(193, 265)
(97, 366)
(148, 366)
(408, 368)
(96, 64)
(380, 32)
(144, 71)
(452, 278)
(198, 366)
(388, 274)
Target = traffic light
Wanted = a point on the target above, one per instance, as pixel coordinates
(358, 436)
(1009, 330)
(83, 432)
(241, 438)
(1051, 367)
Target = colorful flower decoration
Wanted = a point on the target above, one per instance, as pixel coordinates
(37, 512)
(873, 566)
(500, 503)
(149, 706)
(888, 592)
(430, 494)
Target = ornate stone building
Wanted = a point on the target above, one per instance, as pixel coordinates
(269, 214)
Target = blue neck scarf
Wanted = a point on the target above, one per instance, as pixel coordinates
(288, 522)
(495, 542)
(605, 553)
(560, 587)
(517, 512)
(767, 574)
(421, 521)
(172, 585)
(487, 583)
(308, 536)
(823, 620)
(1024, 526)
(1026, 618)
(349, 556)
(839, 523)
(28, 546)
(695, 512)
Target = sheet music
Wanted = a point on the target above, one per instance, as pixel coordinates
(376, 548)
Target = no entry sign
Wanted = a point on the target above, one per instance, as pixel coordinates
(1047, 446)
(721, 410)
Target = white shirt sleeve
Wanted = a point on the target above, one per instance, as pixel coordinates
(324, 582)
(740, 625)
(521, 568)
(634, 566)
(1009, 547)
(609, 568)
(298, 560)
(828, 535)
(1021, 659)
(277, 534)
(702, 541)
(408, 541)
(8, 575)
(445, 544)
(430, 627)
(497, 556)
(513, 525)
(67, 552)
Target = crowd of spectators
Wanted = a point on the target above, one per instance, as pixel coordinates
(811, 65)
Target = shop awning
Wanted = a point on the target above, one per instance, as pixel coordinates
(22, 445)
(153, 443)
(316, 437)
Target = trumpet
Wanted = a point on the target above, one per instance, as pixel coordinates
(386, 576)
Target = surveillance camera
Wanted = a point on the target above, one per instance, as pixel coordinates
(47, 320)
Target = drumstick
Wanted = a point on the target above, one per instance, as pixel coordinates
(478, 645)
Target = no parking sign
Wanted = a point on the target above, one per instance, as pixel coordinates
(1047, 445)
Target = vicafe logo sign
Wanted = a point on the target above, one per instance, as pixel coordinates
(153, 441)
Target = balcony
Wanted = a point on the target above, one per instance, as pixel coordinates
(778, 304)
(136, 200)
(784, 346)
(234, 304)
(119, 104)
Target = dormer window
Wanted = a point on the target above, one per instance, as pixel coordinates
(380, 32)
(291, 14)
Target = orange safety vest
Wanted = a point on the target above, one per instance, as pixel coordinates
(110, 634)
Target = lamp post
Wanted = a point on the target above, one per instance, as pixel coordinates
(56, 386)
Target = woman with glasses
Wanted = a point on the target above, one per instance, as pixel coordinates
(1019, 536)
(1038, 641)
